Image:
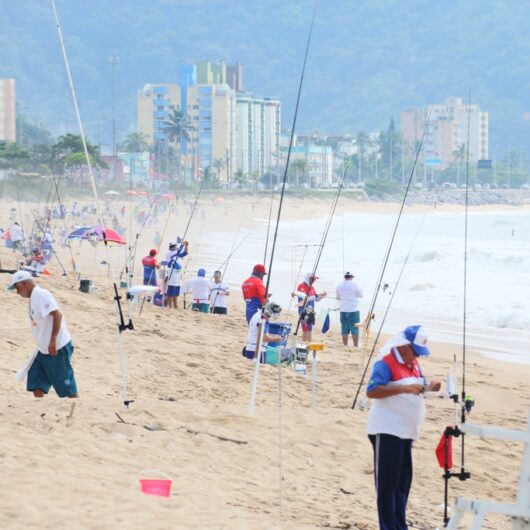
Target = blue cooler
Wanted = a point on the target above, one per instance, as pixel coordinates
(279, 328)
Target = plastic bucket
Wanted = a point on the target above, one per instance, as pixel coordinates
(279, 328)
(272, 356)
(161, 487)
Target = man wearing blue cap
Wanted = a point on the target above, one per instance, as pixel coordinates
(396, 414)
(200, 292)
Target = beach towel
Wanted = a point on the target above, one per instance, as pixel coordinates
(23, 372)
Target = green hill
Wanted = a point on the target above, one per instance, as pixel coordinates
(368, 58)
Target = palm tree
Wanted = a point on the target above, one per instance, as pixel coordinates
(218, 164)
(178, 127)
(135, 143)
(459, 155)
(299, 166)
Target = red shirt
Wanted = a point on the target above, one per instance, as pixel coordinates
(254, 287)
(306, 289)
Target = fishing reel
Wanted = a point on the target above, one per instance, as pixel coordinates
(308, 315)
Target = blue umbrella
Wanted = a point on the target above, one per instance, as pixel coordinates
(79, 232)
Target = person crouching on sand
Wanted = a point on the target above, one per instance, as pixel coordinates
(51, 366)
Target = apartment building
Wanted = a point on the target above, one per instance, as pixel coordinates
(8, 115)
(450, 126)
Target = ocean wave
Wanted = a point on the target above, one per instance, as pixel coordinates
(511, 319)
(421, 287)
(431, 255)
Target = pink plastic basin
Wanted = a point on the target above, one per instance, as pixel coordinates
(160, 487)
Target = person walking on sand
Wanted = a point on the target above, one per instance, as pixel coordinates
(254, 291)
(348, 294)
(219, 290)
(17, 237)
(51, 363)
(397, 412)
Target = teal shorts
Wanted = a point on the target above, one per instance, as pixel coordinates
(53, 370)
(202, 307)
(348, 321)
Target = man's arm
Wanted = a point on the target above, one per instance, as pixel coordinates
(387, 391)
(56, 326)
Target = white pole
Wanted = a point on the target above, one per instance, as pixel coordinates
(314, 381)
(257, 360)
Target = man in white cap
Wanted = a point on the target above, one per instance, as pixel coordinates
(348, 294)
(394, 421)
(51, 366)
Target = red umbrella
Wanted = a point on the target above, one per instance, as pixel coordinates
(96, 234)
(132, 192)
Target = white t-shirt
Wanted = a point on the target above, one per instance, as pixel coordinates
(252, 338)
(41, 304)
(400, 415)
(218, 293)
(199, 288)
(16, 233)
(348, 294)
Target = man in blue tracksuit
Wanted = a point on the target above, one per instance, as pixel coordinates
(396, 414)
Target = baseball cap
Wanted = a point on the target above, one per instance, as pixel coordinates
(417, 339)
(19, 276)
(152, 252)
(348, 275)
(201, 272)
(259, 268)
(172, 244)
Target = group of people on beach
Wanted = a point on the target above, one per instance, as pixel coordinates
(395, 387)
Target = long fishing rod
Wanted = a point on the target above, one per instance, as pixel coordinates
(194, 206)
(121, 325)
(289, 151)
(280, 205)
(370, 314)
(377, 289)
(321, 246)
(389, 305)
(74, 265)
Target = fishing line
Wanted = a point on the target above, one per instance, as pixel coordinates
(121, 326)
(268, 227)
(398, 280)
(322, 244)
(370, 315)
(394, 231)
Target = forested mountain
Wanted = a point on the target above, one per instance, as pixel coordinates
(368, 58)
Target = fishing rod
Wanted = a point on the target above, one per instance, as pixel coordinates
(261, 328)
(120, 321)
(305, 301)
(370, 315)
(466, 402)
(398, 280)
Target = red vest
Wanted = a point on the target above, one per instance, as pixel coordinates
(401, 371)
(253, 288)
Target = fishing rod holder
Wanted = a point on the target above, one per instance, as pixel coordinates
(122, 326)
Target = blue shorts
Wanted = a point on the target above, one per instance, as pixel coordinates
(201, 307)
(173, 290)
(53, 370)
(348, 321)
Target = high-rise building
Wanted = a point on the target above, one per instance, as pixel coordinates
(318, 163)
(258, 135)
(448, 131)
(154, 104)
(8, 114)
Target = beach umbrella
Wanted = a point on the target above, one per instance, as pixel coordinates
(168, 196)
(96, 234)
(132, 192)
(78, 233)
(112, 192)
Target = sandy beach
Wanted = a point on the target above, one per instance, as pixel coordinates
(79, 467)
